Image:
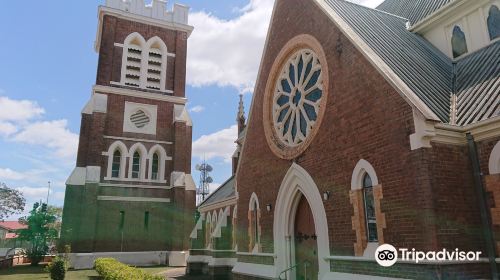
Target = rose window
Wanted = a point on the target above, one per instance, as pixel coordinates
(297, 96)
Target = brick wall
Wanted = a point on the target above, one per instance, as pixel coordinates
(115, 30)
(428, 197)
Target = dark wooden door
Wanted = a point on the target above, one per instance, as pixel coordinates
(306, 248)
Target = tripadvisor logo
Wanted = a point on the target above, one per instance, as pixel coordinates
(387, 255)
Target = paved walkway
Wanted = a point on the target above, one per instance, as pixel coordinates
(180, 274)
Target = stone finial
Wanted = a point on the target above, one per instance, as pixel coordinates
(157, 9)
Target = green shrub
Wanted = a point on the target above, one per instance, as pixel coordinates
(111, 269)
(57, 268)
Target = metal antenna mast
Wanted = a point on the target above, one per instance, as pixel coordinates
(205, 180)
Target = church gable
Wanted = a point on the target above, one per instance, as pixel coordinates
(361, 111)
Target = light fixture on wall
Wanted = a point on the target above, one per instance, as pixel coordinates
(326, 195)
(269, 207)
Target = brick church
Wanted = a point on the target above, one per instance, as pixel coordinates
(367, 127)
(131, 195)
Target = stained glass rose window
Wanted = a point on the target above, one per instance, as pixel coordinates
(297, 97)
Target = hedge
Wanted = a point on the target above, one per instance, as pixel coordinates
(111, 269)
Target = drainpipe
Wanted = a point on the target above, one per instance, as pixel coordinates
(481, 194)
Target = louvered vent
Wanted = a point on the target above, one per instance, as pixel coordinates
(154, 69)
(133, 68)
(139, 119)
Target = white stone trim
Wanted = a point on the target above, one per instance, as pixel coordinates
(211, 261)
(222, 222)
(149, 258)
(139, 94)
(139, 18)
(133, 199)
(128, 155)
(256, 254)
(494, 161)
(218, 262)
(182, 115)
(123, 162)
(142, 45)
(120, 45)
(164, 51)
(157, 9)
(182, 180)
(135, 186)
(82, 175)
(456, 135)
(197, 227)
(219, 204)
(422, 262)
(253, 198)
(350, 276)
(296, 183)
(406, 93)
(424, 131)
(143, 154)
(139, 140)
(162, 157)
(255, 270)
(98, 103)
(151, 112)
(363, 167)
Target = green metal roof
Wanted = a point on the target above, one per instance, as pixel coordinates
(413, 10)
(431, 75)
(426, 71)
(225, 191)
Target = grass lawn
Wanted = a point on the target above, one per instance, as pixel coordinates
(35, 273)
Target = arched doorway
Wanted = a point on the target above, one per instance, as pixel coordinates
(305, 239)
(297, 191)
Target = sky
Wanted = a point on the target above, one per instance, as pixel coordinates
(48, 66)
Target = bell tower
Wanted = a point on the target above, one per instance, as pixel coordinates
(131, 195)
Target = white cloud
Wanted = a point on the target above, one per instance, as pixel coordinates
(18, 110)
(218, 144)
(9, 174)
(197, 109)
(228, 52)
(52, 134)
(7, 128)
(33, 193)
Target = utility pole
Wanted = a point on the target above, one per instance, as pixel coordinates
(48, 193)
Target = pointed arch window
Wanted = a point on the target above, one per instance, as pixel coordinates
(116, 166)
(494, 22)
(255, 223)
(254, 230)
(369, 205)
(458, 42)
(136, 165)
(155, 167)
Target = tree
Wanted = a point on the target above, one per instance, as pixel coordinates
(39, 233)
(56, 212)
(11, 202)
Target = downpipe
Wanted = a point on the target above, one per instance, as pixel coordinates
(485, 215)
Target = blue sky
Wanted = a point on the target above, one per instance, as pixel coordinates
(48, 67)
